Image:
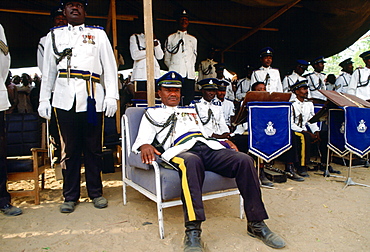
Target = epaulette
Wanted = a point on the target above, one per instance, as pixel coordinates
(195, 101)
(57, 27)
(275, 68)
(156, 106)
(94, 27)
(228, 99)
(191, 35)
(361, 67)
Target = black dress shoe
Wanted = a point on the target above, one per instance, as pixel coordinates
(192, 240)
(68, 207)
(264, 180)
(10, 210)
(330, 169)
(302, 171)
(291, 174)
(261, 231)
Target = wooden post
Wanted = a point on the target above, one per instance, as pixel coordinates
(148, 30)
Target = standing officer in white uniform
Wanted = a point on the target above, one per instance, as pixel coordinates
(359, 84)
(343, 80)
(270, 76)
(227, 105)
(180, 56)
(58, 20)
(244, 85)
(297, 73)
(5, 206)
(316, 79)
(206, 68)
(80, 69)
(138, 54)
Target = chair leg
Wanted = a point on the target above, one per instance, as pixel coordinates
(160, 219)
(124, 193)
(37, 191)
(241, 207)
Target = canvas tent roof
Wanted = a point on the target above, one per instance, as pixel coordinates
(304, 29)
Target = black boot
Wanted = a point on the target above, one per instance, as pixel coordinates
(291, 174)
(265, 181)
(261, 231)
(192, 241)
(302, 171)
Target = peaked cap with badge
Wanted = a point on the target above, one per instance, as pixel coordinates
(170, 79)
(209, 84)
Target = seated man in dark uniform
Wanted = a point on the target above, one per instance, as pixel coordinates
(181, 134)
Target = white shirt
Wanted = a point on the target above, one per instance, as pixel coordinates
(316, 82)
(213, 123)
(228, 109)
(243, 86)
(359, 84)
(40, 52)
(138, 54)
(342, 82)
(92, 52)
(187, 121)
(306, 109)
(289, 80)
(273, 84)
(206, 69)
(181, 57)
(4, 70)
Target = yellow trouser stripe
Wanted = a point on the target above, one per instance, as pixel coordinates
(303, 147)
(185, 188)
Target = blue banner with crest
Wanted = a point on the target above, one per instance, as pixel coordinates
(357, 131)
(269, 129)
(336, 132)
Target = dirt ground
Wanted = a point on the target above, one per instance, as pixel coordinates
(314, 215)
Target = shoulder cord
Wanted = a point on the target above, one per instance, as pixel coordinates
(176, 48)
(300, 117)
(171, 120)
(208, 70)
(289, 86)
(267, 79)
(41, 49)
(359, 80)
(210, 115)
(67, 52)
(138, 44)
(313, 84)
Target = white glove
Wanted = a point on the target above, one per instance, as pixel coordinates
(44, 110)
(110, 106)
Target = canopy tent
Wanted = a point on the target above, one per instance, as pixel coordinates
(237, 28)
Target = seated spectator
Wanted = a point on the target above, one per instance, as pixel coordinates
(24, 90)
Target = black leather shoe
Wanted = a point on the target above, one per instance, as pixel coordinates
(10, 210)
(302, 171)
(291, 174)
(68, 207)
(265, 181)
(330, 169)
(192, 240)
(261, 231)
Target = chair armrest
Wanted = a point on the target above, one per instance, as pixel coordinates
(135, 161)
(39, 150)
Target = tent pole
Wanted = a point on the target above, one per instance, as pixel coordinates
(148, 30)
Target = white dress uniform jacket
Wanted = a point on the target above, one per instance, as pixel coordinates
(91, 51)
(316, 81)
(359, 84)
(216, 121)
(243, 86)
(40, 52)
(4, 70)
(187, 121)
(306, 109)
(138, 54)
(207, 69)
(183, 61)
(342, 82)
(273, 83)
(289, 80)
(229, 110)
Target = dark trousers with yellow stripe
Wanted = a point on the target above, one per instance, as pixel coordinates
(301, 148)
(228, 163)
(78, 137)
